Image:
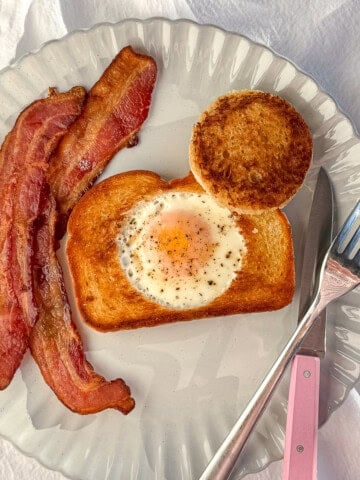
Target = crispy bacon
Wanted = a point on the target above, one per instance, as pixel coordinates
(54, 341)
(23, 161)
(115, 109)
(33, 303)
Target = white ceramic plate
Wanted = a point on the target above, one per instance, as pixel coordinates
(191, 380)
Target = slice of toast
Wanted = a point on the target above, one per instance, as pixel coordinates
(107, 300)
(251, 151)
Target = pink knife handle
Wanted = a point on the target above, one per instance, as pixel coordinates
(300, 455)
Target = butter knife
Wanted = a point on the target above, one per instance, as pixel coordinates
(300, 454)
(223, 462)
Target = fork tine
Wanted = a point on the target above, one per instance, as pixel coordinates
(346, 227)
(352, 244)
(357, 259)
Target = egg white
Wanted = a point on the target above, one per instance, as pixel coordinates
(140, 260)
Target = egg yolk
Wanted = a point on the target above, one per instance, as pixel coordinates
(181, 241)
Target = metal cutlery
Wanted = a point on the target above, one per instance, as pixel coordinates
(339, 273)
(300, 453)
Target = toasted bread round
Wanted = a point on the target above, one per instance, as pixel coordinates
(108, 301)
(251, 151)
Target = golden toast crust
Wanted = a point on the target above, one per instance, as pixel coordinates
(250, 150)
(106, 299)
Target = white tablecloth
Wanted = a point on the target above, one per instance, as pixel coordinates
(321, 36)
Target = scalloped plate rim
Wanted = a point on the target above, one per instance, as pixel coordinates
(17, 61)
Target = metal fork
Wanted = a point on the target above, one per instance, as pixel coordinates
(339, 273)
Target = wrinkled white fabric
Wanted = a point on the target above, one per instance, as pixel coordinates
(322, 37)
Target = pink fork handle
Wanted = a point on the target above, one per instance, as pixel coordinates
(300, 456)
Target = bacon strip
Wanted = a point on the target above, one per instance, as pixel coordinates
(54, 341)
(33, 303)
(115, 109)
(23, 161)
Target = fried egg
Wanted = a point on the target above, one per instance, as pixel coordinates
(181, 249)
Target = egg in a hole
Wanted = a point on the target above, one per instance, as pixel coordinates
(143, 251)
